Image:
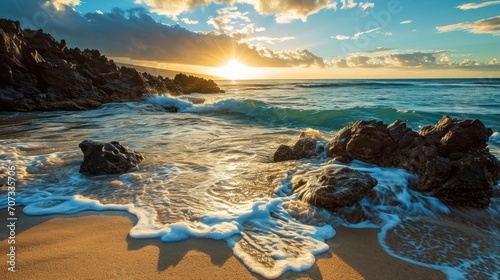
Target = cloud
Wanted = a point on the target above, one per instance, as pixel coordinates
(232, 22)
(357, 35)
(445, 59)
(408, 21)
(467, 62)
(270, 40)
(341, 63)
(366, 5)
(376, 51)
(188, 21)
(350, 4)
(494, 62)
(341, 37)
(394, 58)
(470, 6)
(483, 26)
(172, 9)
(286, 11)
(60, 5)
(360, 34)
(298, 58)
(136, 35)
(415, 59)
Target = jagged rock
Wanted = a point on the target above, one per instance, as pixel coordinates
(47, 75)
(112, 157)
(452, 135)
(6, 77)
(451, 158)
(284, 153)
(195, 84)
(332, 188)
(104, 78)
(308, 145)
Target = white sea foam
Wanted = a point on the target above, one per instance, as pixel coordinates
(270, 235)
(457, 251)
(495, 138)
(415, 227)
(40, 204)
(188, 105)
(167, 101)
(261, 233)
(262, 228)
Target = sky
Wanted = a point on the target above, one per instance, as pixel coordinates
(256, 39)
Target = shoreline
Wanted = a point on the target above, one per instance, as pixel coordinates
(96, 245)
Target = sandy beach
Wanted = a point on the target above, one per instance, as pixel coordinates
(96, 245)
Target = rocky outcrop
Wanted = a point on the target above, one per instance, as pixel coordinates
(108, 158)
(308, 145)
(451, 159)
(39, 73)
(333, 188)
(195, 84)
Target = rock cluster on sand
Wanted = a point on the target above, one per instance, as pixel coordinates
(112, 157)
(451, 158)
(39, 73)
(335, 187)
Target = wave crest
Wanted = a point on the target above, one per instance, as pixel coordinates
(263, 112)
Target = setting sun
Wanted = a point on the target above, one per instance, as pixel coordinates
(234, 70)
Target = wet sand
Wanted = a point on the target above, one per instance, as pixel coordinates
(96, 245)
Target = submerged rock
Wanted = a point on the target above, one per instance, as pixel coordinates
(451, 159)
(112, 157)
(333, 187)
(308, 145)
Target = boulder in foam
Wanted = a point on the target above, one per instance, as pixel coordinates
(108, 158)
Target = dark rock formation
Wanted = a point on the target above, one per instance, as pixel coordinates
(112, 157)
(39, 73)
(333, 188)
(451, 158)
(308, 145)
(192, 84)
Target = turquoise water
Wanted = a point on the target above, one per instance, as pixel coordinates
(209, 172)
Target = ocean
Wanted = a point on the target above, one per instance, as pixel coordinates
(209, 170)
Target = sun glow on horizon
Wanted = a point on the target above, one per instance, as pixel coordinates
(235, 70)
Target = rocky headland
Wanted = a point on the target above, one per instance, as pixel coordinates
(39, 73)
